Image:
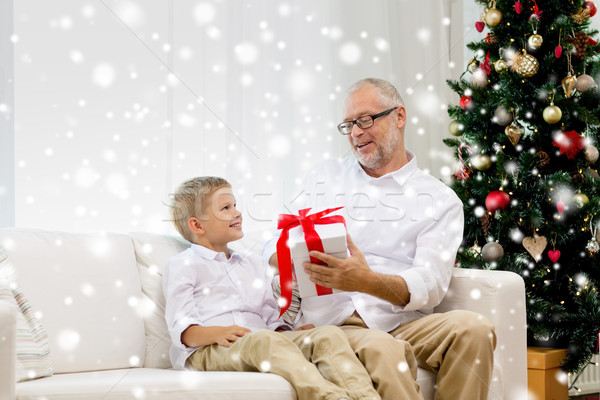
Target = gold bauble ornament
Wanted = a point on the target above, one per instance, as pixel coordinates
(535, 41)
(493, 17)
(591, 153)
(584, 82)
(500, 65)
(472, 65)
(580, 200)
(568, 84)
(514, 133)
(455, 128)
(482, 162)
(552, 114)
(525, 65)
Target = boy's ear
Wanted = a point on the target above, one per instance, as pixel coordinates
(196, 226)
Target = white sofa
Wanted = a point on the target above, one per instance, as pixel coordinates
(99, 297)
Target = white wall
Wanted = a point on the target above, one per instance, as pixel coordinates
(7, 163)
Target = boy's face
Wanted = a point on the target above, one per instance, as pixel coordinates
(221, 219)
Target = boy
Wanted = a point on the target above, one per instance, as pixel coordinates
(221, 313)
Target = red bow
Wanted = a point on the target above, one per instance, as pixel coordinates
(313, 242)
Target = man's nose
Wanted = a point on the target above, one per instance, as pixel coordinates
(356, 130)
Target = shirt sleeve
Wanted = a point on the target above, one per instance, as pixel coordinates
(180, 312)
(429, 277)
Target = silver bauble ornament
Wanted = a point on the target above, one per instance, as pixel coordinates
(502, 117)
(492, 251)
(584, 82)
(591, 153)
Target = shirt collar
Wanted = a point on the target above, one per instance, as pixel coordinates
(212, 255)
(400, 175)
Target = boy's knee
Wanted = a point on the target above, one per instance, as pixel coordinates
(263, 336)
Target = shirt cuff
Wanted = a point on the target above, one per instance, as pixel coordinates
(416, 288)
(181, 326)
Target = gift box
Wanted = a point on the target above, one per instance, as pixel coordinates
(333, 240)
(305, 228)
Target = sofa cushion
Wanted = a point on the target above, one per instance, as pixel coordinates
(152, 251)
(158, 384)
(32, 350)
(87, 291)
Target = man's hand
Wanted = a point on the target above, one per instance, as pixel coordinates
(350, 274)
(353, 274)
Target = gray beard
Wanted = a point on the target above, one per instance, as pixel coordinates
(382, 154)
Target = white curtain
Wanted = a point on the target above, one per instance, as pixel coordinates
(118, 101)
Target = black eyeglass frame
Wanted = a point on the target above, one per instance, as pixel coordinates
(373, 117)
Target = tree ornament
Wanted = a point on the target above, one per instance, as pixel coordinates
(514, 133)
(525, 65)
(558, 49)
(592, 246)
(592, 173)
(581, 16)
(535, 41)
(518, 7)
(589, 5)
(494, 16)
(584, 82)
(455, 128)
(463, 171)
(580, 200)
(497, 200)
(542, 159)
(481, 161)
(502, 117)
(466, 103)
(568, 84)
(554, 255)
(472, 65)
(479, 25)
(552, 114)
(486, 222)
(500, 65)
(492, 251)
(580, 41)
(479, 78)
(475, 249)
(569, 143)
(591, 153)
(535, 246)
(560, 206)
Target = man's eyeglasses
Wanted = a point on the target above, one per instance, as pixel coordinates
(363, 122)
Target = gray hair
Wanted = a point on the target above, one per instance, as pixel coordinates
(388, 95)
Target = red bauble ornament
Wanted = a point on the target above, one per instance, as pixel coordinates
(497, 200)
(569, 143)
(466, 103)
(518, 7)
(554, 255)
(560, 206)
(479, 25)
(558, 51)
(590, 6)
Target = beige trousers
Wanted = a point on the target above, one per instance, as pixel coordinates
(319, 363)
(457, 345)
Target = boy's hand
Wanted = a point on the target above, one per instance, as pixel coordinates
(228, 335)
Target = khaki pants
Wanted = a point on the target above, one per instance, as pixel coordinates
(457, 345)
(319, 363)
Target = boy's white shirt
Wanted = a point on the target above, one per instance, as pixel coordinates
(203, 287)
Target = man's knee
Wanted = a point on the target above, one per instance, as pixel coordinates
(471, 325)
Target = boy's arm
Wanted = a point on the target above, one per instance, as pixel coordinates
(196, 335)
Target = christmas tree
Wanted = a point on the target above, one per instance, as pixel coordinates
(525, 132)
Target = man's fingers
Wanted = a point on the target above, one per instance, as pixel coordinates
(351, 246)
(326, 258)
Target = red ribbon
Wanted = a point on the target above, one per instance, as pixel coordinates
(313, 242)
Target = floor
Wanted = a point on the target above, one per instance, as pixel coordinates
(595, 396)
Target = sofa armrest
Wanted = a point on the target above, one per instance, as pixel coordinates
(8, 350)
(500, 297)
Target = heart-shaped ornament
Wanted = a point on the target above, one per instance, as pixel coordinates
(554, 255)
(535, 246)
(560, 206)
(479, 25)
(514, 133)
(558, 51)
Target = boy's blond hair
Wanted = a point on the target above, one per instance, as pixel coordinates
(191, 196)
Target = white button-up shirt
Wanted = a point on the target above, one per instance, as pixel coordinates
(407, 223)
(203, 287)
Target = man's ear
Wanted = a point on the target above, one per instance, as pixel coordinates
(196, 226)
(401, 119)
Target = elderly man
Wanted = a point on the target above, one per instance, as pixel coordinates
(404, 230)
